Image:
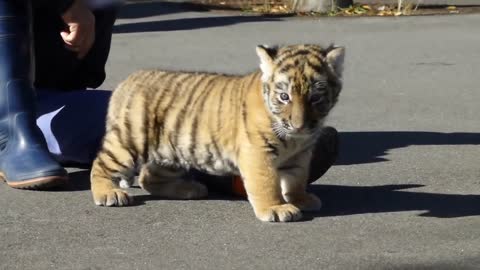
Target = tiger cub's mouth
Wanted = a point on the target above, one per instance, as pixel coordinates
(285, 130)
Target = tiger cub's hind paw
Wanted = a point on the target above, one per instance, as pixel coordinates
(178, 190)
(191, 190)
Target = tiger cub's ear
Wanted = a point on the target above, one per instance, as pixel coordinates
(335, 58)
(266, 56)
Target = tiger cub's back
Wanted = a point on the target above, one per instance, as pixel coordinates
(178, 118)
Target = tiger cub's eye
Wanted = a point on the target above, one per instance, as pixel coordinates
(284, 96)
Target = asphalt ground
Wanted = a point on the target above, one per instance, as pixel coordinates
(404, 193)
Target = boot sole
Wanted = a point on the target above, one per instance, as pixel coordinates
(36, 183)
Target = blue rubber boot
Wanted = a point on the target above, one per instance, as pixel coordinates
(24, 159)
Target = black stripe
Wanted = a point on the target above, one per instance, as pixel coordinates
(181, 114)
(116, 130)
(145, 132)
(233, 98)
(213, 142)
(180, 117)
(196, 116)
(113, 158)
(276, 102)
(103, 166)
(281, 86)
(220, 107)
(105, 138)
(156, 126)
(130, 143)
(287, 68)
(266, 89)
(173, 138)
(117, 133)
(129, 132)
(159, 121)
(147, 123)
(304, 79)
(317, 50)
(218, 153)
(147, 76)
(244, 104)
(174, 156)
(244, 117)
(230, 164)
(270, 147)
(193, 139)
(205, 91)
(209, 160)
(293, 55)
(314, 66)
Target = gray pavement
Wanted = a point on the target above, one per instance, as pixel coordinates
(404, 194)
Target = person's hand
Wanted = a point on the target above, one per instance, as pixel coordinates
(80, 35)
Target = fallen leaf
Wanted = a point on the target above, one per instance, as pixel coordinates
(367, 7)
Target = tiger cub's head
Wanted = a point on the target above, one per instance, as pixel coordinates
(301, 84)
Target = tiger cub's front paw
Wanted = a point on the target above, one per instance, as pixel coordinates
(307, 202)
(279, 213)
(111, 197)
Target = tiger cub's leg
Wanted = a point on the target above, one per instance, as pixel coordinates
(262, 184)
(170, 183)
(112, 162)
(294, 179)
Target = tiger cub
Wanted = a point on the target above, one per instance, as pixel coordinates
(262, 126)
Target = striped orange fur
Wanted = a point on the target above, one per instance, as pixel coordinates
(261, 126)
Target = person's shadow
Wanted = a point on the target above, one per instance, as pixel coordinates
(187, 23)
(150, 9)
(370, 147)
(143, 9)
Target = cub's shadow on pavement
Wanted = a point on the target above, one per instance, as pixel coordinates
(369, 147)
(353, 200)
(149, 9)
(372, 146)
